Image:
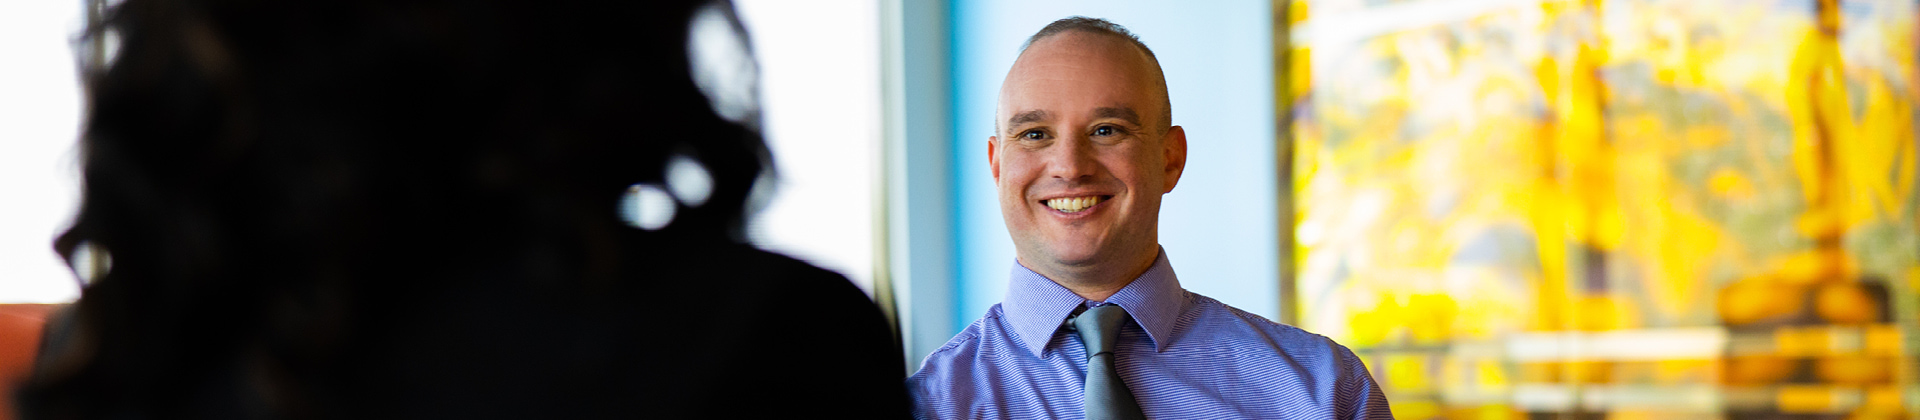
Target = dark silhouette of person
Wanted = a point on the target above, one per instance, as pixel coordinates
(412, 209)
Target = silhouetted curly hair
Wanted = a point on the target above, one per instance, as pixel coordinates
(270, 177)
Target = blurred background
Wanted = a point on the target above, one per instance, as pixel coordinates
(1508, 208)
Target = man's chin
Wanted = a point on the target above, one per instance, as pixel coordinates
(1073, 259)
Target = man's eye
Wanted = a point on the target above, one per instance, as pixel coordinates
(1034, 135)
(1104, 131)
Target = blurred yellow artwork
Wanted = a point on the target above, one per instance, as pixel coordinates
(1691, 182)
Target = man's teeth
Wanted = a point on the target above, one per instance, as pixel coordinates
(1074, 204)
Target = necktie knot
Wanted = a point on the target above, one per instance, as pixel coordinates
(1099, 328)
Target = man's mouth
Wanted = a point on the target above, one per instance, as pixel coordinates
(1074, 204)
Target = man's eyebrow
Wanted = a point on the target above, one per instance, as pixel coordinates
(1120, 112)
(1026, 117)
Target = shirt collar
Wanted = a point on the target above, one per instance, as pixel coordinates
(1035, 306)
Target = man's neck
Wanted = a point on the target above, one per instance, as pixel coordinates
(1097, 281)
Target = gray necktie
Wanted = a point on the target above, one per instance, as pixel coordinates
(1106, 396)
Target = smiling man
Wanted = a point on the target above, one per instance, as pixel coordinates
(1095, 324)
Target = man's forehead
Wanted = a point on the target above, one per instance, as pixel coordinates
(1059, 74)
(1045, 69)
(1082, 49)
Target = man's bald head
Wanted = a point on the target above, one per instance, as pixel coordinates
(1102, 27)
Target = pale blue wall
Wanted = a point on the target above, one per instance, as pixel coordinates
(1218, 226)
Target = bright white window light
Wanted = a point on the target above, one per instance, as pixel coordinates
(819, 67)
(39, 120)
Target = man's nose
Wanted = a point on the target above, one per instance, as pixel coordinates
(1072, 158)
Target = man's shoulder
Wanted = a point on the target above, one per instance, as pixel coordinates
(1324, 367)
(946, 376)
(1211, 314)
(966, 344)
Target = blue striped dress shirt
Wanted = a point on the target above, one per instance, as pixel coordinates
(1184, 356)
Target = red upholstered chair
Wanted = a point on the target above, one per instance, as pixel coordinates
(19, 340)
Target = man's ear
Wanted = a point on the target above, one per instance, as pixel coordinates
(1174, 144)
(992, 159)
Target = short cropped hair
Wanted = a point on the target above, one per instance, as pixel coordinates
(1092, 25)
(1105, 27)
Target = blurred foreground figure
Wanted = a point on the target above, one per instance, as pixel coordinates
(411, 209)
